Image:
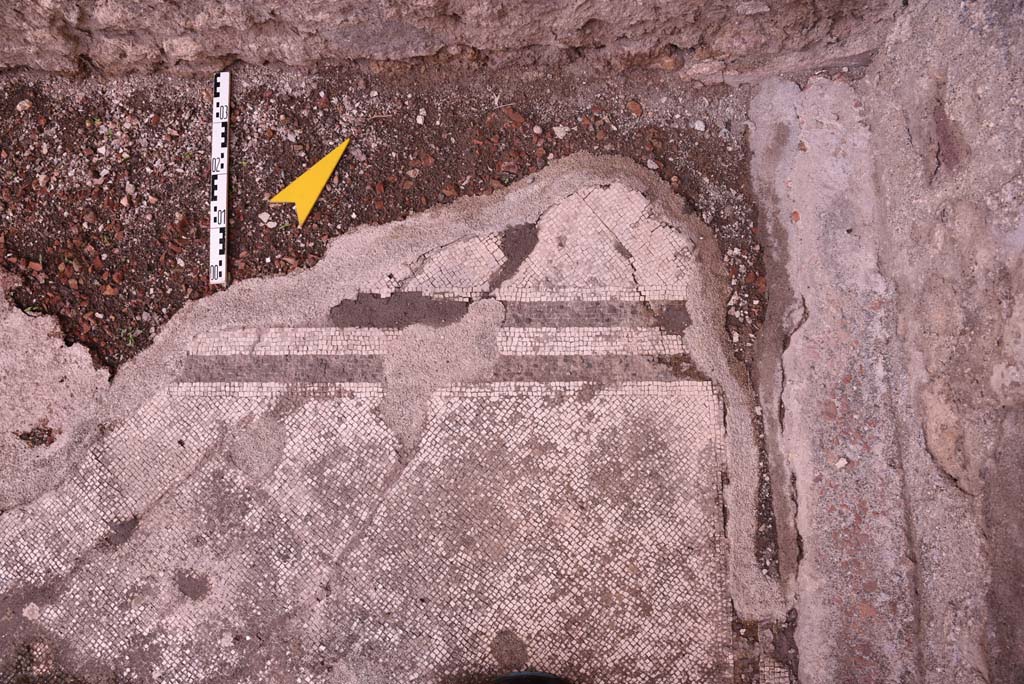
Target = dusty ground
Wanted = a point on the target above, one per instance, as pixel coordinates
(867, 207)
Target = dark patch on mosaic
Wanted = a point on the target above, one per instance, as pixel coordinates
(621, 249)
(38, 662)
(193, 585)
(509, 650)
(671, 317)
(121, 531)
(401, 309)
(517, 243)
(588, 391)
(681, 367)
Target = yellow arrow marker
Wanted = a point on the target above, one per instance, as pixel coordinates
(304, 190)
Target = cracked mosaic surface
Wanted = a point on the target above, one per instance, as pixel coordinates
(260, 519)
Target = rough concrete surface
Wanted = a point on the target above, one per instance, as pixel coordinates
(950, 148)
(120, 37)
(895, 220)
(45, 389)
(834, 420)
(522, 429)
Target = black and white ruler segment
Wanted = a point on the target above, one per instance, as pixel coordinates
(219, 178)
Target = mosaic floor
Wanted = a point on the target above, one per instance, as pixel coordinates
(500, 458)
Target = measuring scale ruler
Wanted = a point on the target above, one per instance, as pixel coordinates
(219, 179)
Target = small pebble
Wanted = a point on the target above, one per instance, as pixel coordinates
(560, 131)
(652, 165)
(23, 105)
(841, 463)
(537, 130)
(264, 217)
(698, 125)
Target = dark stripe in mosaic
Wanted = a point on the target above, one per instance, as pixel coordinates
(318, 369)
(401, 309)
(670, 316)
(604, 369)
(248, 368)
